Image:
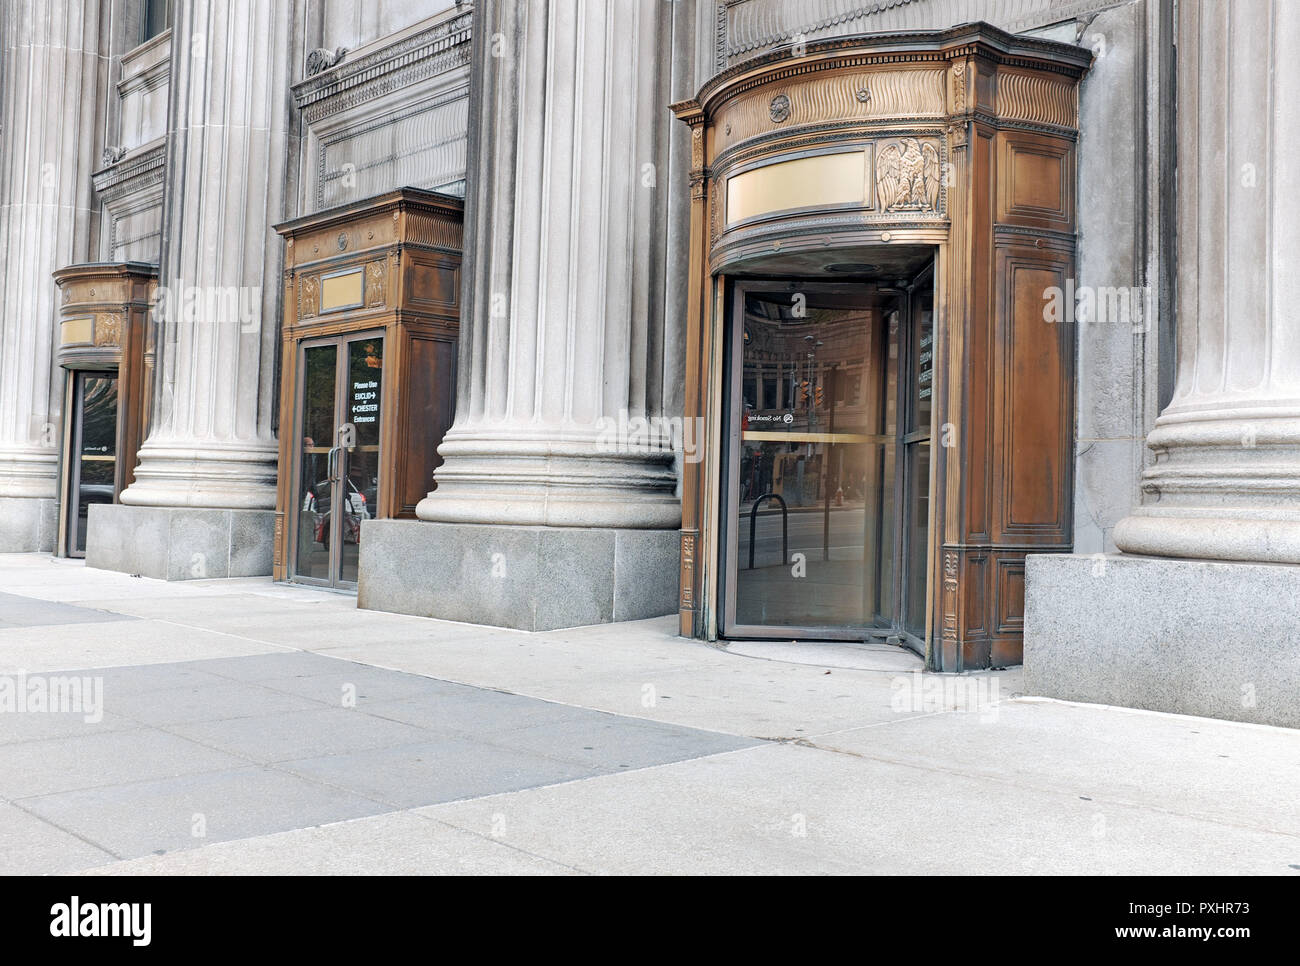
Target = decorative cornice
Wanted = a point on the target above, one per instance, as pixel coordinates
(899, 47)
(129, 174)
(438, 48)
(147, 67)
(393, 201)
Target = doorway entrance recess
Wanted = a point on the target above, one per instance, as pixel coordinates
(825, 473)
(856, 161)
(368, 373)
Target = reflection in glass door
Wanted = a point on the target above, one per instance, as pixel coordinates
(315, 484)
(360, 460)
(339, 455)
(827, 480)
(92, 474)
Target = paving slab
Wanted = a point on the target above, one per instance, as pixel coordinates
(861, 657)
(1242, 774)
(116, 643)
(45, 577)
(477, 712)
(19, 611)
(261, 743)
(162, 815)
(32, 726)
(675, 681)
(786, 809)
(270, 738)
(276, 664)
(312, 626)
(32, 768)
(396, 843)
(228, 700)
(360, 626)
(32, 846)
(214, 611)
(443, 770)
(143, 678)
(365, 686)
(608, 742)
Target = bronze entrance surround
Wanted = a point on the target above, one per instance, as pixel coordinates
(852, 155)
(368, 372)
(105, 345)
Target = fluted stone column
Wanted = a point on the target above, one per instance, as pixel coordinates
(556, 504)
(1225, 483)
(564, 316)
(211, 449)
(50, 74)
(1201, 612)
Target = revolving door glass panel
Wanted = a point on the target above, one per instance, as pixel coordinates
(814, 514)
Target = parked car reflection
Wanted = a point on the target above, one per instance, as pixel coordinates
(317, 502)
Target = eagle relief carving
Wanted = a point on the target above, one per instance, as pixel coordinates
(908, 175)
(108, 330)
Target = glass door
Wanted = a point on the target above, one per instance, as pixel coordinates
(92, 471)
(338, 464)
(313, 534)
(810, 504)
(827, 480)
(359, 458)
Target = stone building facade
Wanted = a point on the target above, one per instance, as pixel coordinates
(171, 140)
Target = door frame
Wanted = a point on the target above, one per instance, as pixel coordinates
(927, 278)
(341, 340)
(728, 498)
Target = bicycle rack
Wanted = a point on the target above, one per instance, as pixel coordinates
(785, 526)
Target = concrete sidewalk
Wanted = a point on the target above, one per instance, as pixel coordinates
(250, 727)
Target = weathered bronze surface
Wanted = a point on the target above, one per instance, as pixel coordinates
(104, 316)
(967, 143)
(389, 264)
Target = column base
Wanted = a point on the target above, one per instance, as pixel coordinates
(583, 480)
(1217, 533)
(1198, 637)
(235, 476)
(180, 543)
(529, 578)
(28, 524)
